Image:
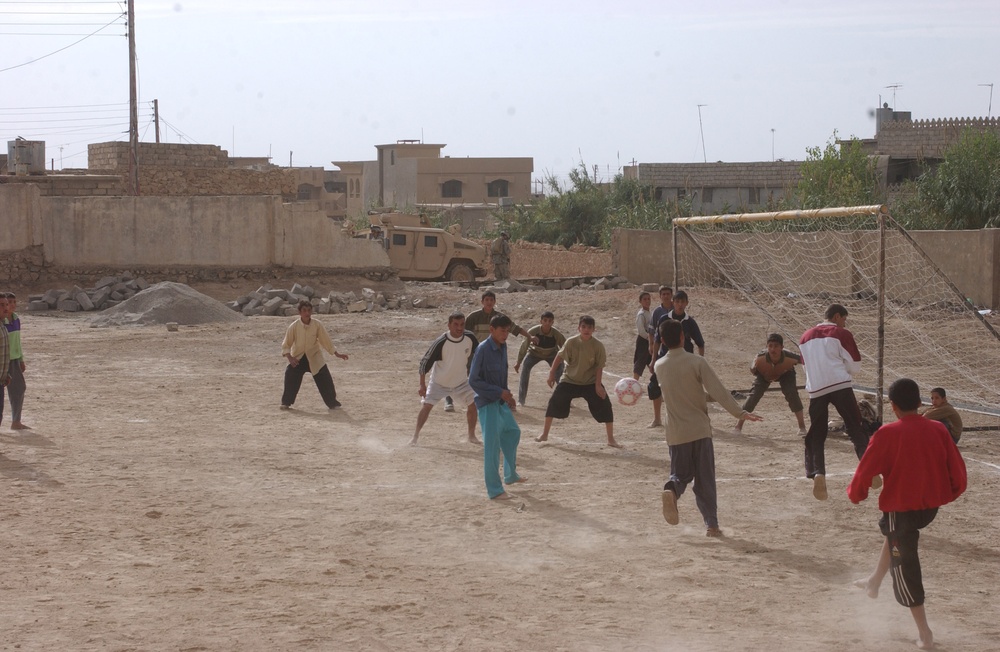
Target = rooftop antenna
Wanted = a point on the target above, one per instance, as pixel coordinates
(772, 144)
(894, 87)
(704, 156)
(989, 111)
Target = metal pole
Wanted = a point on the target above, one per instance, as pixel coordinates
(880, 379)
(701, 128)
(673, 235)
(133, 106)
(156, 119)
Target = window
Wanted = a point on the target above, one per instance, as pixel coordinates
(706, 195)
(681, 194)
(451, 188)
(753, 196)
(392, 157)
(431, 241)
(498, 188)
(399, 239)
(659, 193)
(304, 192)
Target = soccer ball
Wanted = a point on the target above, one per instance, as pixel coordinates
(628, 391)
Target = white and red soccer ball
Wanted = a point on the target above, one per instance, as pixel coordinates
(628, 391)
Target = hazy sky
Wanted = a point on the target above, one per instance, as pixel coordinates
(559, 81)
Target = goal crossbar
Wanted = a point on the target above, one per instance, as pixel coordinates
(811, 214)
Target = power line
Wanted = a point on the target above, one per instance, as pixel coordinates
(20, 65)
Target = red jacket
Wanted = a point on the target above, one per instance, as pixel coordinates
(919, 463)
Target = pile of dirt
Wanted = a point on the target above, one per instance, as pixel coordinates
(167, 302)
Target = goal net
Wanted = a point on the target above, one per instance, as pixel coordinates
(908, 318)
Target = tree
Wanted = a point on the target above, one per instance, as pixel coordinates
(964, 191)
(839, 176)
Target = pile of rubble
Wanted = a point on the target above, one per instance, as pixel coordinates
(106, 293)
(166, 303)
(271, 301)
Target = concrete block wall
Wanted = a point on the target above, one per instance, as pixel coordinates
(928, 138)
(194, 181)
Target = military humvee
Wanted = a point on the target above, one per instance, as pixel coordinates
(419, 251)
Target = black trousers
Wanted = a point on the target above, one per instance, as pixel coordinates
(293, 381)
(902, 529)
(563, 395)
(819, 414)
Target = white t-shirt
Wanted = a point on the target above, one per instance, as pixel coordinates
(451, 370)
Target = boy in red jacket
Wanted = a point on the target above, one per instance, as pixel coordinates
(922, 470)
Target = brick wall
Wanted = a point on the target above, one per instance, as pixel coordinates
(165, 181)
(773, 174)
(928, 138)
(73, 185)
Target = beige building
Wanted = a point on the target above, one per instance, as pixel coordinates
(409, 174)
(721, 187)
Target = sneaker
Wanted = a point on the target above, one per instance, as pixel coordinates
(803, 432)
(336, 404)
(819, 487)
(521, 404)
(877, 482)
(713, 532)
(449, 405)
(669, 499)
(286, 407)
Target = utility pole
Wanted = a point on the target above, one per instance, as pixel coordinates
(133, 108)
(772, 144)
(156, 119)
(704, 155)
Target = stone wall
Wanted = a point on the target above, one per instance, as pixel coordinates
(73, 185)
(200, 182)
(114, 156)
(928, 138)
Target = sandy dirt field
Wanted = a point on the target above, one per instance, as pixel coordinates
(163, 502)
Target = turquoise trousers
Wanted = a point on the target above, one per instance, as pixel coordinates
(500, 434)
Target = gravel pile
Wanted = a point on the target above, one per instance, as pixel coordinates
(167, 302)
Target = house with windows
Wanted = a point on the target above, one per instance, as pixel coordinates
(410, 174)
(713, 188)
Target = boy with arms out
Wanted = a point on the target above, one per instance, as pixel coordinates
(303, 347)
(921, 470)
(495, 405)
(686, 378)
(585, 358)
(550, 340)
(448, 359)
(775, 364)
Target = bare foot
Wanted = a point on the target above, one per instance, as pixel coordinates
(520, 479)
(819, 487)
(655, 423)
(17, 425)
(613, 444)
(472, 440)
(866, 585)
(713, 532)
(926, 642)
(503, 496)
(413, 441)
(542, 438)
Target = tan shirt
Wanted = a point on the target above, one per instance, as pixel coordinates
(309, 340)
(582, 359)
(685, 378)
(947, 413)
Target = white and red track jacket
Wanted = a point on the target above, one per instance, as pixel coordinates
(830, 357)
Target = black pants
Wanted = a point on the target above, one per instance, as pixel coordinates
(902, 529)
(293, 380)
(563, 395)
(819, 414)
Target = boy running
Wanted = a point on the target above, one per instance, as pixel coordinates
(641, 358)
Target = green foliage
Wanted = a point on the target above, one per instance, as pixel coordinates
(838, 176)
(586, 212)
(964, 191)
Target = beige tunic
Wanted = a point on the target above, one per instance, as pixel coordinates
(309, 340)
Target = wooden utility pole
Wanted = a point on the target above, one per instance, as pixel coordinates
(156, 118)
(133, 108)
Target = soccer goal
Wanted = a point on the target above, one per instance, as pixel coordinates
(908, 318)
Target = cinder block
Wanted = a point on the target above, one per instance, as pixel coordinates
(68, 305)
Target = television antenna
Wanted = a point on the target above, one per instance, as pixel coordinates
(989, 111)
(701, 128)
(894, 87)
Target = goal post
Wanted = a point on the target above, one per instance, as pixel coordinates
(908, 317)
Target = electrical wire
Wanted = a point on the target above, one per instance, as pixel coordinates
(45, 56)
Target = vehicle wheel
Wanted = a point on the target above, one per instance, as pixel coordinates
(461, 273)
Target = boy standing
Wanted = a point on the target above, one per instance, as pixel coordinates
(775, 364)
(549, 341)
(495, 405)
(302, 347)
(448, 358)
(585, 358)
(4, 351)
(641, 357)
(692, 333)
(921, 470)
(16, 388)
(656, 351)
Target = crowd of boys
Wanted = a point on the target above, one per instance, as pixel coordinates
(915, 457)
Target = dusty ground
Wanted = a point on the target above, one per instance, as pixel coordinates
(163, 502)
